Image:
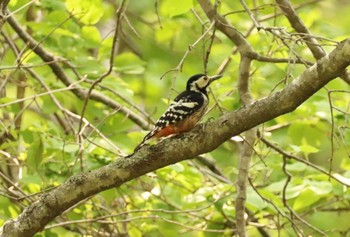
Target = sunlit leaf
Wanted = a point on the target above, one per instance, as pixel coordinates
(254, 201)
(305, 199)
(321, 188)
(87, 11)
(170, 8)
(308, 149)
(91, 35)
(129, 63)
(35, 153)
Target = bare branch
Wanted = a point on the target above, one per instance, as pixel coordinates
(306, 162)
(298, 25)
(293, 214)
(238, 39)
(221, 23)
(111, 62)
(99, 80)
(80, 92)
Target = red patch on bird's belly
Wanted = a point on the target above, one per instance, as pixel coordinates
(181, 126)
(166, 131)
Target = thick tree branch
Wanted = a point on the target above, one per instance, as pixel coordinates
(202, 139)
(80, 92)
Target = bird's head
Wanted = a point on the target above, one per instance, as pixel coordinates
(200, 82)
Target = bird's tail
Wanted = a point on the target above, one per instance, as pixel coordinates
(144, 140)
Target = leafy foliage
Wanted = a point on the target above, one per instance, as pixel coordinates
(160, 44)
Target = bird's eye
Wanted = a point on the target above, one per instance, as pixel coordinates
(205, 78)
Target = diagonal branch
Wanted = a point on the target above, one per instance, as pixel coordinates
(80, 92)
(243, 46)
(222, 24)
(293, 18)
(299, 26)
(111, 62)
(202, 139)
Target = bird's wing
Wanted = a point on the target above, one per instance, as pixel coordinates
(182, 107)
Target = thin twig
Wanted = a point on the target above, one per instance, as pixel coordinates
(120, 12)
(308, 163)
(292, 212)
(295, 227)
(332, 131)
(73, 115)
(80, 92)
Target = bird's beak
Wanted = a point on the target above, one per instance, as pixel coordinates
(214, 78)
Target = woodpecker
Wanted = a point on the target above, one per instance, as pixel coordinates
(185, 111)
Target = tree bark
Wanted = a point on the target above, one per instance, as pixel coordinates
(202, 139)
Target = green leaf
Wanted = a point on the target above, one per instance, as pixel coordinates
(229, 210)
(31, 179)
(294, 189)
(133, 231)
(71, 148)
(167, 33)
(307, 149)
(296, 167)
(305, 199)
(178, 167)
(35, 153)
(321, 188)
(10, 108)
(172, 8)
(254, 201)
(92, 36)
(53, 5)
(119, 85)
(129, 63)
(49, 107)
(89, 12)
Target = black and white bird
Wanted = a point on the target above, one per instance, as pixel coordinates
(185, 112)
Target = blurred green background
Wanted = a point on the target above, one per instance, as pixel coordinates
(185, 198)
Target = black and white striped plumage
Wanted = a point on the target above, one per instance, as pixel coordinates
(185, 111)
